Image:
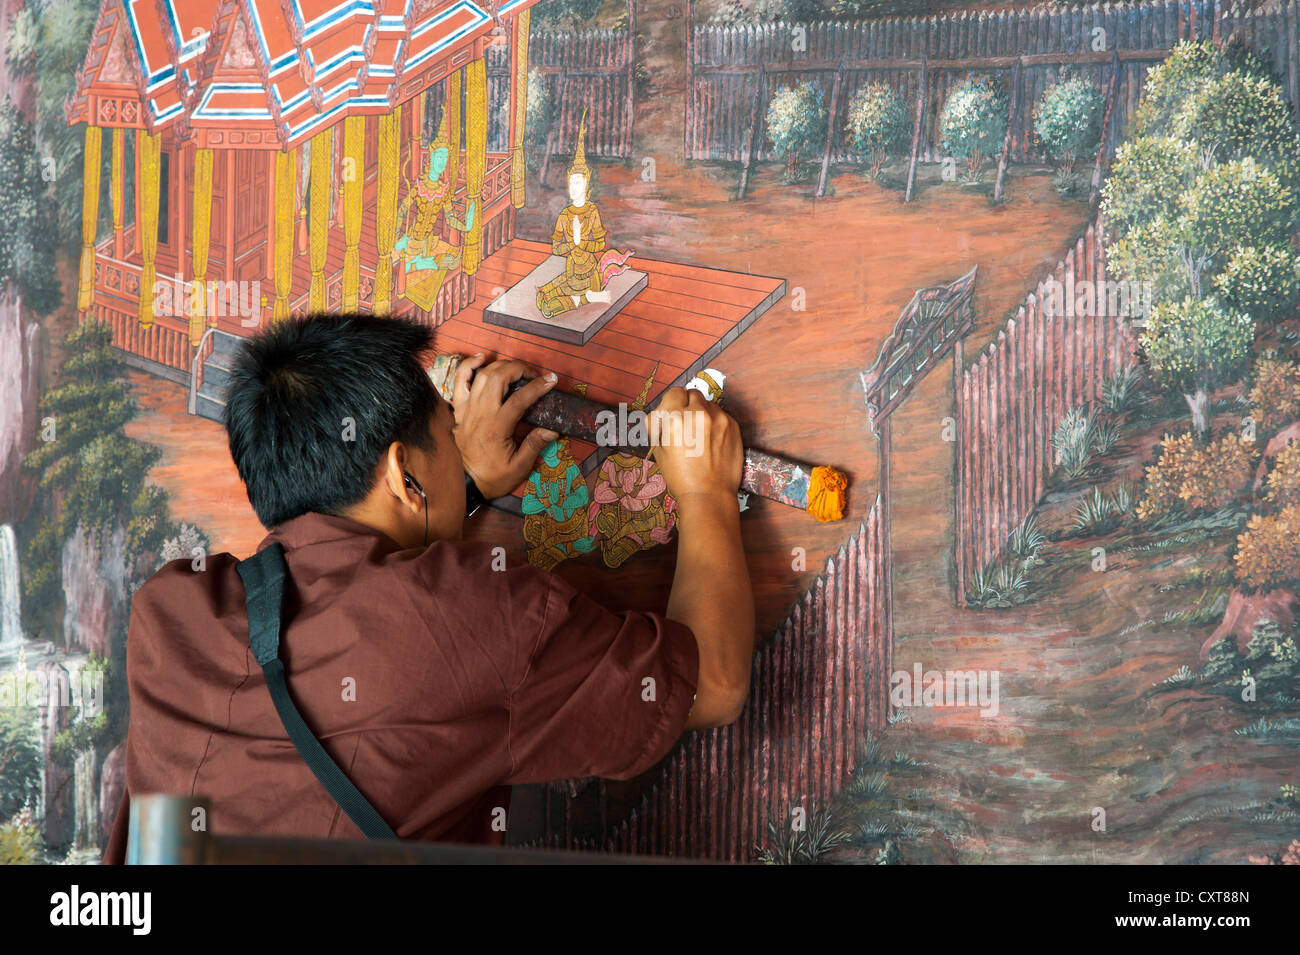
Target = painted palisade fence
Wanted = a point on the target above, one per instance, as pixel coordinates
(735, 69)
(591, 70)
(818, 687)
(1072, 332)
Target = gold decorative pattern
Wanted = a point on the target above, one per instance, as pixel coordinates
(286, 189)
(115, 187)
(521, 108)
(318, 221)
(451, 124)
(199, 242)
(475, 159)
(148, 150)
(354, 166)
(386, 209)
(89, 217)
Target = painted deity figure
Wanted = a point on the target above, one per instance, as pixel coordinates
(425, 256)
(555, 508)
(630, 508)
(579, 236)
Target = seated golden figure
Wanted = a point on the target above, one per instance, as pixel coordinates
(580, 236)
(426, 256)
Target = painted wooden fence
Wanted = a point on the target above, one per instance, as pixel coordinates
(588, 70)
(735, 70)
(1053, 355)
(818, 687)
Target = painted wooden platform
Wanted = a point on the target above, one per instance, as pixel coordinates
(685, 317)
(517, 307)
(674, 327)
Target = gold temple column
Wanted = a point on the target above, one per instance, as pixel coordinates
(116, 189)
(286, 190)
(451, 110)
(415, 137)
(354, 174)
(199, 244)
(318, 217)
(89, 217)
(517, 169)
(386, 210)
(475, 160)
(148, 150)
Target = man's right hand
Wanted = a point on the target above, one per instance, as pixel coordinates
(697, 448)
(711, 591)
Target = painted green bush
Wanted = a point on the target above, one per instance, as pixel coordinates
(1196, 345)
(1171, 85)
(28, 215)
(1238, 116)
(1147, 177)
(974, 123)
(1262, 281)
(1067, 122)
(796, 124)
(877, 123)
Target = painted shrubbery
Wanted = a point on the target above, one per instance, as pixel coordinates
(1201, 204)
(878, 124)
(1283, 484)
(1196, 479)
(1268, 552)
(974, 122)
(796, 124)
(1195, 346)
(1275, 396)
(1067, 124)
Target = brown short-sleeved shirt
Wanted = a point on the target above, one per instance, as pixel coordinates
(434, 680)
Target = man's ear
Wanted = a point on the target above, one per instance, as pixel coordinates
(394, 467)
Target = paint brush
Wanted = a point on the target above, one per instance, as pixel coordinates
(818, 489)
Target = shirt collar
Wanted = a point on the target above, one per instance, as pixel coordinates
(315, 528)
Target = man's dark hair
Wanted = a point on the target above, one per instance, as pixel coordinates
(315, 402)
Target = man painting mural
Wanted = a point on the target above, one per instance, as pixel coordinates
(434, 674)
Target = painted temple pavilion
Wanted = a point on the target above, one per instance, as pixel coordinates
(260, 161)
(268, 145)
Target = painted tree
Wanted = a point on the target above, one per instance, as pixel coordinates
(974, 122)
(877, 122)
(1195, 345)
(20, 757)
(566, 12)
(93, 482)
(1263, 282)
(92, 475)
(1232, 205)
(1170, 85)
(1067, 122)
(796, 123)
(540, 116)
(1201, 205)
(1239, 116)
(28, 223)
(47, 41)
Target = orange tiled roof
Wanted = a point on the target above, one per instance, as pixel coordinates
(278, 71)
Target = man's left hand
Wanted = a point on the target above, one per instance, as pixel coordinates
(486, 420)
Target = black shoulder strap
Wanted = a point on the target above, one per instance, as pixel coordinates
(263, 575)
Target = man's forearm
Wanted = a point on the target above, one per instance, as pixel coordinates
(711, 592)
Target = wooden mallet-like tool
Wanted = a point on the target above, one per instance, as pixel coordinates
(818, 489)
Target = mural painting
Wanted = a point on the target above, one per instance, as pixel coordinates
(1005, 298)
